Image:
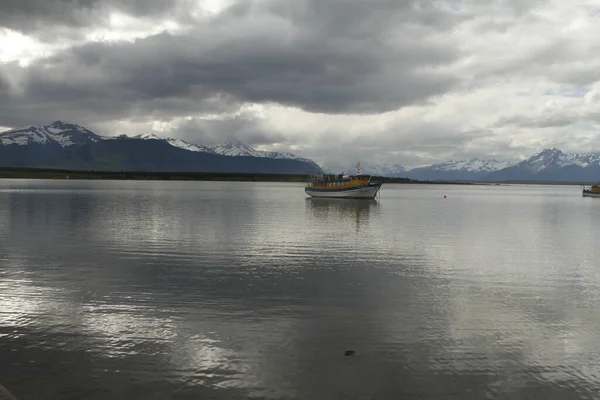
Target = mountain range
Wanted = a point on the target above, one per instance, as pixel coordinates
(549, 164)
(552, 165)
(70, 146)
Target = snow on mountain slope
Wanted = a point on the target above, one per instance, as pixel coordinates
(275, 154)
(176, 142)
(554, 158)
(587, 159)
(238, 149)
(553, 165)
(394, 170)
(548, 158)
(472, 169)
(58, 132)
(285, 156)
(472, 165)
(243, 150)
(389, 170)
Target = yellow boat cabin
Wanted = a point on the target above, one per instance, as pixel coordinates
(348, 186)
(591, 191)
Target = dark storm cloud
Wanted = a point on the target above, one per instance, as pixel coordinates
(250, 130)
(40, 16)
(332, 57)
(323, 56)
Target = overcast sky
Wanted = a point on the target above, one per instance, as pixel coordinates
(393, 81)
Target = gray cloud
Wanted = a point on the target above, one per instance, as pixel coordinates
(531, 48)
(250, 130)
(546, 120)
(560, 61)
(325, 57)
(38, 17)
(413, 146)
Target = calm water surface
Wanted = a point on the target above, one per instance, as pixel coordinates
(203, 290)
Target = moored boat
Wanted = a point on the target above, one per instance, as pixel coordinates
(591, 191)
(359, 186)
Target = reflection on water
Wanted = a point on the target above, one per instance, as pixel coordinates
(342, 210)
(244, 290)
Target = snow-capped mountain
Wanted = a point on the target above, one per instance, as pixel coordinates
(554, 158)
(69, 146)
(546, 160)
(61, 145)
(547, 165)
(237, 149)
(66, 134)
(393, 171)
(388, 170)
(587, 159)
(456, 170)
(472, 169)
(473, 165)
(176, 142)
(240, 149)
(58, 132)
(281, 156)
(553, 165)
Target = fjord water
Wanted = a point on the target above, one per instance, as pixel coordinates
(197, 290)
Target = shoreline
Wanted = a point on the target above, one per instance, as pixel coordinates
(61, 174)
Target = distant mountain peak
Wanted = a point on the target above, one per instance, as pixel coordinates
(59, 133)
(44, 145)
(551, 150)
(58, 122)
(148, 136)
(238, 148)
(472, 165)
(175, 142)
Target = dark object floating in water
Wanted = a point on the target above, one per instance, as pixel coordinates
(349, 353)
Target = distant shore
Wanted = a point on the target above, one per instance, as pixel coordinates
(49, 173)
(42, 173)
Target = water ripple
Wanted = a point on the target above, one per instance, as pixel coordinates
(234, 290)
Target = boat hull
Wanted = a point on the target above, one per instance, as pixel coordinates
(362, 192)
(587, 193)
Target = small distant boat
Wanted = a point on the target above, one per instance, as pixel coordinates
(359, 186)
(591, 191)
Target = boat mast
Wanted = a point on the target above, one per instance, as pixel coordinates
(359, 171)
